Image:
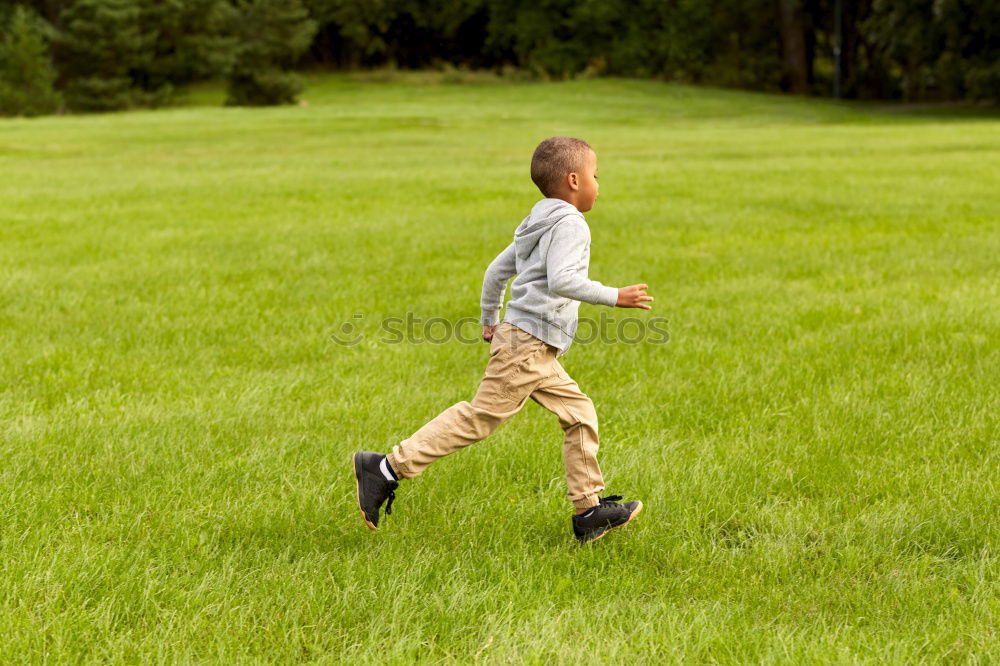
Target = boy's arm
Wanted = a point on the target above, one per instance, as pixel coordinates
(501, 269)
(567, 269)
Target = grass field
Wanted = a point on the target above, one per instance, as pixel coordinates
(816, 446)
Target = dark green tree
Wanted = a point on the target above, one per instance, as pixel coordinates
(101, 44)
(114, 54)
(972, 47)
(26, 73)
(270, 37)
(936, 49)
(190, 40)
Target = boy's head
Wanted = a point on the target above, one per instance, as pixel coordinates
(566, 168)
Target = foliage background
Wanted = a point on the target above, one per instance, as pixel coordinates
(124, 53)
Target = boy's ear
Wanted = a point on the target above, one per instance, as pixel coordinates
(574, 180)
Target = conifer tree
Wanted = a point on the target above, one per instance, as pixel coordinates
(101, 44)
(271, 35)
(27, 77)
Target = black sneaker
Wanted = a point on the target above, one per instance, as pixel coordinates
(373, 488)
(607, 515)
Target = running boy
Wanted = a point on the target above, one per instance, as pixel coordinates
(550, 256)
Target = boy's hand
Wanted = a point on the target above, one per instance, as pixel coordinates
(634, 296)
(488, 332)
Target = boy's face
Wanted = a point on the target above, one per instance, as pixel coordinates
(587, 184)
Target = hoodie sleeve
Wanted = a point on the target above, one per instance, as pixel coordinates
(567, 265)
(498, 273)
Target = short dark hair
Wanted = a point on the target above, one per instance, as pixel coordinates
(556, 157)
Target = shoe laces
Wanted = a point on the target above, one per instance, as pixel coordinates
(610, 499)
(391, 496)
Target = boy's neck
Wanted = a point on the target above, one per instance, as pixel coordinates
(567, 197)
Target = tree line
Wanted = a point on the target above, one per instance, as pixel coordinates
(112, 54)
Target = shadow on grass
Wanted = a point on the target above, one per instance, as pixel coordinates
(681, 100)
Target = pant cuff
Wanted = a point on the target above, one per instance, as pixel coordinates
(585, 502)
(397, 469)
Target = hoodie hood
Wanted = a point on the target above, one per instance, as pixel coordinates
(542, 218)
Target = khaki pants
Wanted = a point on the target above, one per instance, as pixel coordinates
(521, 366)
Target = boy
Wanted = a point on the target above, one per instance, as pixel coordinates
(550, 256)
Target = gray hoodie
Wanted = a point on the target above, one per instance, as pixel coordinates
(550, 256)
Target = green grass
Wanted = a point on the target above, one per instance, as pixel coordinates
(816, 446)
